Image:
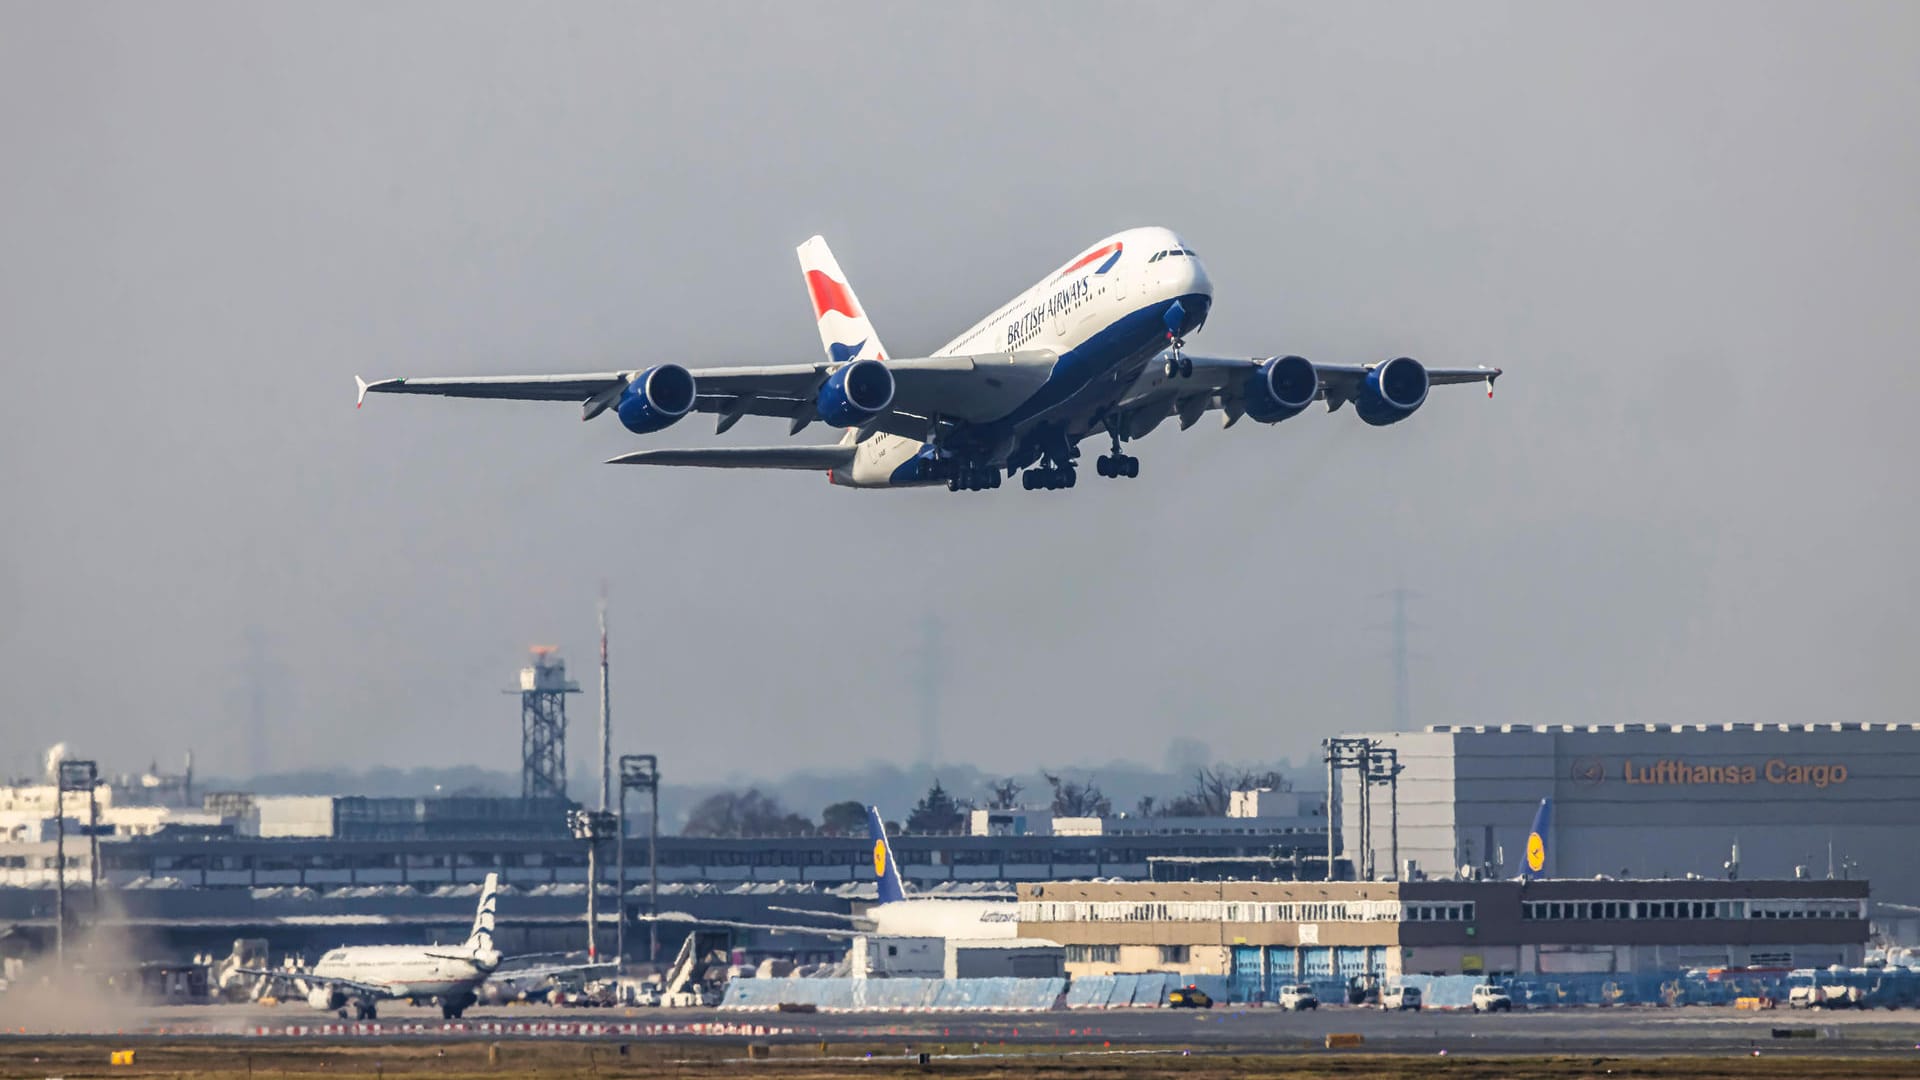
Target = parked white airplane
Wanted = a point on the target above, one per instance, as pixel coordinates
(1096, 347)
(894, 913)
(899, 915)
(358, 977)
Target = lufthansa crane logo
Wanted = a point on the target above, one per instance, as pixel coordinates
(1589, 771)
(879, 858)
(1536, 853)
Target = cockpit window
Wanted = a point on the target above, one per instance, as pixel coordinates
(1158, 255)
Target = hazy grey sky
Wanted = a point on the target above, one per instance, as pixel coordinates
(1688, 232)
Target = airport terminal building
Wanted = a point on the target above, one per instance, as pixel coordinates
(1269, 933)
(1655, 801)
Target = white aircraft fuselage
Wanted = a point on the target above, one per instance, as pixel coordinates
(1104, 314)
(404, 971)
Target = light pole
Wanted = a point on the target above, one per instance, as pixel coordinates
(68, 777)
(640, 772)
(591, 826)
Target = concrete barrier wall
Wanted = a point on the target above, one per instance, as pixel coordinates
(897, 995)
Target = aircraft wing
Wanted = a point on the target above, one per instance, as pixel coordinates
(355, 985)
(546, 970)
(684, 919)
(926, 390)
(1216, 384)
(817, 458)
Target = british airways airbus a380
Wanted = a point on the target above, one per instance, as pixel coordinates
(1096, 347)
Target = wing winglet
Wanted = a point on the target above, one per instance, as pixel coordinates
(361, 385)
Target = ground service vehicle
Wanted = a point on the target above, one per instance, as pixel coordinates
(1490, 998)
(1189, 997)
(1298, 997)
(1400, 997)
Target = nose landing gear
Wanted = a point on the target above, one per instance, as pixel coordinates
(1176, 320)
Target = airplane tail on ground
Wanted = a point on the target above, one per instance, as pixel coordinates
(1537, 840)
(844, 330)
(883, 864)
(480, 938)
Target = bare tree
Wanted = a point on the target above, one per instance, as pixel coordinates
(748, 813)
(1212, 792)
(1074, 799)
(1006, 794)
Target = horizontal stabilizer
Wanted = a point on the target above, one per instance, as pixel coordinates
(811, 458)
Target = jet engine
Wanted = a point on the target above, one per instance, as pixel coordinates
(1391, 391)
(656, 398)
(325, 998)
(855, 394)
(1280, 388)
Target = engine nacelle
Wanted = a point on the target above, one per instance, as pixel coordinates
(325, 998)
(1391, 391)
(1279, 388)
(656, 398)
(855, 394)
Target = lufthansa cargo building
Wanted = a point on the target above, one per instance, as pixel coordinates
(1655, 801)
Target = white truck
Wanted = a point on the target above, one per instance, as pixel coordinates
(1298, 997)
(1488, 998)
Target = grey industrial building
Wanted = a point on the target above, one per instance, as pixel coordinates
(1654, 801)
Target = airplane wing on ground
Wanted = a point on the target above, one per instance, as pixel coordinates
(683, 919)
(545, 970)
(358, 987)
(926, 390)
(1219, 383)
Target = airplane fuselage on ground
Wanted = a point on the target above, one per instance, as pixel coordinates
(403, 971)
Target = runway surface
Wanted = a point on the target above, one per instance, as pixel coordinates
(1595, 1031)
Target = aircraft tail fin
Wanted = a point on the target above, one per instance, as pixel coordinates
(1537, 839)
(480, 938)
(884, 867)
(845, 332)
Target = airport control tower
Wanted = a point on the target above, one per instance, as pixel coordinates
(543, 725)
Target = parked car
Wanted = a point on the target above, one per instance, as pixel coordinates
(1189, 997)
(1490, 998)
(1297, 997)
(1400, 997)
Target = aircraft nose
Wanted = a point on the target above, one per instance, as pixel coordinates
(1197, 279)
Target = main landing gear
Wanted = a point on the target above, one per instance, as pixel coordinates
(1117, 464)
(1056, 453)
(1051, 478)
(973, 477)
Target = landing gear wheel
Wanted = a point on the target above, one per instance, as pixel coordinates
(1132, 465)
(1103, 465)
